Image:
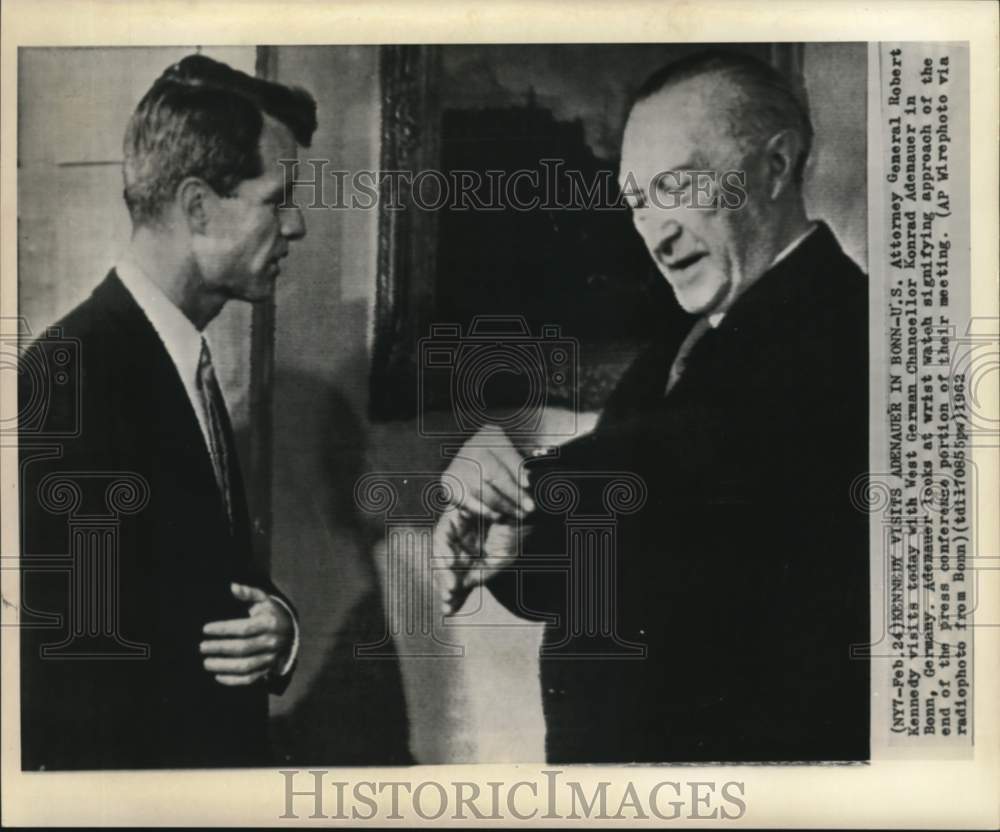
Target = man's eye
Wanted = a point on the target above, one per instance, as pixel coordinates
(633, 199)
(673, 183)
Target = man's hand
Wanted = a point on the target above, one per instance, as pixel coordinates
(475, 550)
(477, 534)
(494, 482)
(242, 650)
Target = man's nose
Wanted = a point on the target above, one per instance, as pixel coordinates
(293, 224)
(656, 228)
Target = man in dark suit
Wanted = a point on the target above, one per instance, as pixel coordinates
(740, 586)
(136, 536)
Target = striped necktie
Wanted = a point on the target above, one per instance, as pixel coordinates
(214, 408)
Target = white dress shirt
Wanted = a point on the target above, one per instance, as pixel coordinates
(182, 341)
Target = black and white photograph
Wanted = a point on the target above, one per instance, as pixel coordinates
(551, 404)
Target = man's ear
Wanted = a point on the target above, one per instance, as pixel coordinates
(780, 155)
(195, 199)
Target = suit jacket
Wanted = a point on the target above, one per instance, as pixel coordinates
(176, 554)
(744, 575)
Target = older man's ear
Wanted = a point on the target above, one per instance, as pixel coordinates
(781, 153)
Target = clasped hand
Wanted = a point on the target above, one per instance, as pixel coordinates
(242, 650)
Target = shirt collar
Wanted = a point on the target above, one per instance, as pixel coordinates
(716, 318)
(794, 244)
(180, 337)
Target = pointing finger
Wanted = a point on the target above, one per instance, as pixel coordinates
(238, 627)
(249, 594)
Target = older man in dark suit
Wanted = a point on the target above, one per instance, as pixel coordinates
(740, 587)
(172, 636)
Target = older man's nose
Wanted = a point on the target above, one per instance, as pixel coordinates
(671, 230)
(655, 227)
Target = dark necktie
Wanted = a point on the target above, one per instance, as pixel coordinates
(699, 329)
(214, 407)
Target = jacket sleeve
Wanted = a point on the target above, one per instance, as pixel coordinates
(668, 452)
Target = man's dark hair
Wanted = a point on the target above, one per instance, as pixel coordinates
(203, 118)
(767, 101)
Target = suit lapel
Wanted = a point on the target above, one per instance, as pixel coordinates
(783, 293)
(155, 387)
(777, 303)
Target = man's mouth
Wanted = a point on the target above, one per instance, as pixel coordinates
(679, 265)
(276, 260)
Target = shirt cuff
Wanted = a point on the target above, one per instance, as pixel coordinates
(294, 652)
